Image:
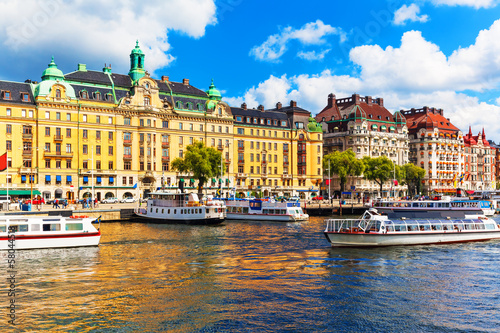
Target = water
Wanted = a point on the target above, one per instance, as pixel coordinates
(252, 277)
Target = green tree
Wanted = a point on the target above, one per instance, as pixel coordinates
(412, 176)
(201, 161)
(343, 164)
(379, 170)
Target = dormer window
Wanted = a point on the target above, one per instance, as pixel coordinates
(58, 93)
(199, 107)
(379, 117)
(109, 97)
(97, 96)
(178, 105)
(84, 94)
(146, 85)
(25, 97)
(370, 115)
(255, 120)
(6, 95)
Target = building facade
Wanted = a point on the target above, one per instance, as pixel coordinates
(480, 163)
(279, 151)
(364, 125)
(111, 134)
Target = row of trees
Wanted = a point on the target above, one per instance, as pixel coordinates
(204, 163)
(380, 170)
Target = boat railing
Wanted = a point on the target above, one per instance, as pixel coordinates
(347, 225)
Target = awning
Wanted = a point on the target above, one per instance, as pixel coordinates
(47, 178)
(23, 178)
(192, 180)
(111, 180)
(98, 179)
(68, 179)
(182, 179)
(85, 179)
(58, 178)
(383, 127)
(20, 192)
(374, 126)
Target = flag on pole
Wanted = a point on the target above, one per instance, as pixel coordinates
(3, 162)
(327, 182)
(396, 182)
(135, 185)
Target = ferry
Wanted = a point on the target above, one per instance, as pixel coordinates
(374, 229)
(265, 210)
(43, 232)
(181, 208)
(446, 207)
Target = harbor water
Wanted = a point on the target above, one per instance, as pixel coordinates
(252, 277)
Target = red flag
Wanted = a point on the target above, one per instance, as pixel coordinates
(3, 162)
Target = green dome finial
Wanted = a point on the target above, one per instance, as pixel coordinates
(52, 72)
(313, 126)
(213, 93)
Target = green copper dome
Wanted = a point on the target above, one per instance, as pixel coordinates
(52, 72)
(137, 49)
(213, 93)
(313, 126)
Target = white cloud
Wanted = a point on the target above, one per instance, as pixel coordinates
(469, 3)
(313, 55)
(413, 75)
(409, 13)
(312, 33)
(99, 30)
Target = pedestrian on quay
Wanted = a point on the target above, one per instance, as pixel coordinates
(56, 202)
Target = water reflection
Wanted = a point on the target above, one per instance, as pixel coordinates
(254, 277)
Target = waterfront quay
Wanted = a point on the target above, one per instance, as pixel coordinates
(123, 212)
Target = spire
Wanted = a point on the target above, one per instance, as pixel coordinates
(136, 63)
(213, 93)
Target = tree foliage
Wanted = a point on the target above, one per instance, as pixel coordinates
(413, 176)
(379, 169)
(343, 164)
(200, 161)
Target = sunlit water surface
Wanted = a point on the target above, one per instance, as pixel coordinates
(253, 277)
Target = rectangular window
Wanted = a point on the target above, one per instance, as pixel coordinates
(98, 119)
(110, 120)
(241, 131)
(68, 164)
(164, 124)
(85, 149)
(8, 145)
(68, 147)
(30, 113)
(85, 134)
(127, 165)
(110, 165)
(9, 112)
(47, 164)
(58, 165)
(98, 135)
(68, 132)
(68, 116)
(110, 136)
(58, 115)
(8, 129)
(110, 150)
(126, 121)
(98, 150)
(47, 131)
(84, 118)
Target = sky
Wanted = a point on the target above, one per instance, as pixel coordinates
(437, 53)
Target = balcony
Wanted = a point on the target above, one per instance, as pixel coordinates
(165, 158)
(27, 152)
(241, 161)
(263, 175)
(241, 148)
(286, 177)
(127, 157)
(58, 154)
(165, 144)
(127, 142)
(27, 136)
(58, 137)
(220, 147)
(24, 171)
(242, 175)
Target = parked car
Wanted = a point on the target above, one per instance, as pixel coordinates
(295, 198)
(318, 198)
(110, 200)
(127, 200)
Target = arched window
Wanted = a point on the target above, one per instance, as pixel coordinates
(97, 95)
(147, 101)
(84, 94)
(58, 93)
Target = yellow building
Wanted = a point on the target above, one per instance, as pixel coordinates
(279, 151)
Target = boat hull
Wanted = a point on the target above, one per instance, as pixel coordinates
(266, 217)
(376, 239)
(27, 242)
(413, 213)
(189, 221)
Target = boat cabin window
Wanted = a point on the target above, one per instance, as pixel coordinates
(18, 228)
(415, 204)
(74, 226)
(52, 227)
(35, 227)
(3, 228)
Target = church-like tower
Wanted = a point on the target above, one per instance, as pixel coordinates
(136, 63)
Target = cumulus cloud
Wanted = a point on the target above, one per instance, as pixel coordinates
(469, 3)
(409, 13)
(413, 75)
(313, 55)
(312, 33)
(100, 30)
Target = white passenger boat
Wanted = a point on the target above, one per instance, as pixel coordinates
(42, 232)
(181, 208)
(452, 208)
(373, 229)
(265, 210)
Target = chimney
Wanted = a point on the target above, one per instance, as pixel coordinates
(244, 106)
(82, 67)
(368, 100)
(185, 82)
(380, 101)
(278, 105)
(261, 107)
(164, 78)
(293, 104)
(355, 98)
(331, 100)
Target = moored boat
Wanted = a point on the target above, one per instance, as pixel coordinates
(373, 229)
(265, 210)
(456, 208)
(181, 208)
(42, 232)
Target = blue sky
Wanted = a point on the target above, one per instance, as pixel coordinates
(437, 53)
